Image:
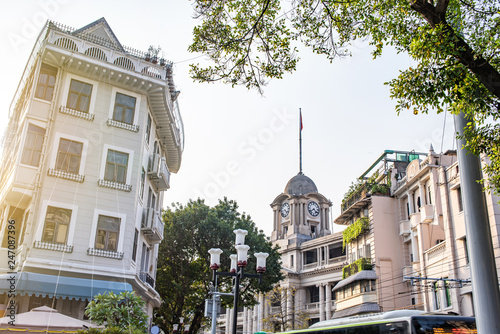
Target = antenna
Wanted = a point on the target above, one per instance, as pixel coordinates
(300, 140)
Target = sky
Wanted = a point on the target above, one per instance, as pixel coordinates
(240, 144)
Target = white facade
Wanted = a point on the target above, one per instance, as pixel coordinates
(93, 135)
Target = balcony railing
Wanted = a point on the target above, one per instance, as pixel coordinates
(415, 219)
(427, 213)
(152, 225)
(357, 196)
(158, 172)
(404, 228)
(146, 278)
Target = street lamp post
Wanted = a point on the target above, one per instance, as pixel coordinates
(238, 264)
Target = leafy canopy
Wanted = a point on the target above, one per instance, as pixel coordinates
(184, 276)
(122, 312)
(455, 44)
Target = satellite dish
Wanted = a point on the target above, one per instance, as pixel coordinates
(155, 330)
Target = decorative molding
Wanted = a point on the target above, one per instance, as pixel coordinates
(52, 246)
(114, 185)
(121, 125)
(65, 175)
(80, 114)
(105, 253)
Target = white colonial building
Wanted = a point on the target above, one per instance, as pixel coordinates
(94, 133)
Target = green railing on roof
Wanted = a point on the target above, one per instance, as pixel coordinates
(365, 263)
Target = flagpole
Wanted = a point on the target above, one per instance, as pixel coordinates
(300, 140)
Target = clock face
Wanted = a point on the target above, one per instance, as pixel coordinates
(313, 209)
(285, 209)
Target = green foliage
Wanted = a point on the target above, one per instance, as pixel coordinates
(184, 275)
(455, 45)
(354, 230)
(111, 330)
(365, 263)
(124, 311)
(279, 319)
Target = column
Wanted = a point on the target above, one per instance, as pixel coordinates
(228, 321)
(245, 315)
(321, 302)
(328, 301)
(250, 321)
(255, 314)
(410, 203)
(261, 312)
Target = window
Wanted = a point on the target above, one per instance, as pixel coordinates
(429, 194)
(311, 256)
(69, 155)
(335, 251)
(291, 261)
(143, 179)
(148, 128)
(124, 108)
(314, 294)
(134, 249)
(447, 293)
(116, 167)
(46, 82)
(79, 96)
(33, 146)
(435, 290)
(56, 226)
(466, 250)
(107, 233)
(459, 198)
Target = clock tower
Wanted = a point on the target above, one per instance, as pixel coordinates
(300, 213)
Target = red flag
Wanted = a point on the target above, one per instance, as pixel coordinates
(301, 125)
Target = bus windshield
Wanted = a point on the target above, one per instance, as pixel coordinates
(445, 325)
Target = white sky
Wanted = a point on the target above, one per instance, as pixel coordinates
(240, 144)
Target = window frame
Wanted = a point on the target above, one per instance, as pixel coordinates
(121, 233)
(124, 109)
(107, 234)
(47, 70)
(33, 149)
(72, 222)
(66, 162)
(93, 95)
(104, 159)
(116, 166)
(79, 95)
(83, 158)
(56, 228)
(111, 112)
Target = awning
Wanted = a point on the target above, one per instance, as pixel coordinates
(358, 309)
(359, 276)
(34, 284)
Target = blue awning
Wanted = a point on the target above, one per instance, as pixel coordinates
(34, 284)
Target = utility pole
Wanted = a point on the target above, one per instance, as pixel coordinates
(483, 268)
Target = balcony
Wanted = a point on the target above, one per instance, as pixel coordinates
(152, 226)
(146, 278)
(158, 172)
(415, 219)
(404, 228)
(427, 213)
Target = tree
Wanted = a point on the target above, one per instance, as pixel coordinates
(184, 276)
(284, 315)
(455, 44)
(119, 313)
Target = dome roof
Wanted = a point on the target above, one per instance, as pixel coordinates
(300, 185)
